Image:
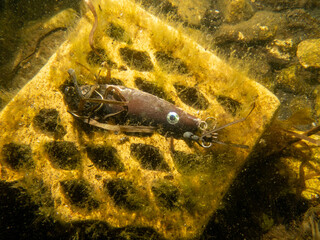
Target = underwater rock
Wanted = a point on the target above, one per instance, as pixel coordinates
(280, 5)
(288, 80)
(316, 92)
(303, 166)
(281, 50)
(262, 26)
(212, 19)
(301, 24)
(308, 53)
(191, 12)
(236, 10)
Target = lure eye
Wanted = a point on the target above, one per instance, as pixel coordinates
(172, 118)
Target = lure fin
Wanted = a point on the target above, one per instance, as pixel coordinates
(115, 128)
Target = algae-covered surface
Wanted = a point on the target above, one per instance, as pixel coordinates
(86, 182)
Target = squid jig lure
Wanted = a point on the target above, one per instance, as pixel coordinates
(96, 105)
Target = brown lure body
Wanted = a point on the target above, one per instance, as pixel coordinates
(137, 108)
(151, 110)
(137, 111)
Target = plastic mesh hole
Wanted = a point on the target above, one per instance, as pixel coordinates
(17, 156)
(125, 194)
(151, 88)
(105, 158)
(171, 64)
(118, 33)
(149, 157)
(137, 60)
(192, 97)
(63, 154)
(79, 193)
(94, 59)
(229, 104)
(166, 194)
(48, 120)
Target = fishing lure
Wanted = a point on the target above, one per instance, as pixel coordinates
(137, 112)
(98, 104)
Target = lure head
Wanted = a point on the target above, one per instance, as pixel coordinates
(207, 138)
(178, 122)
